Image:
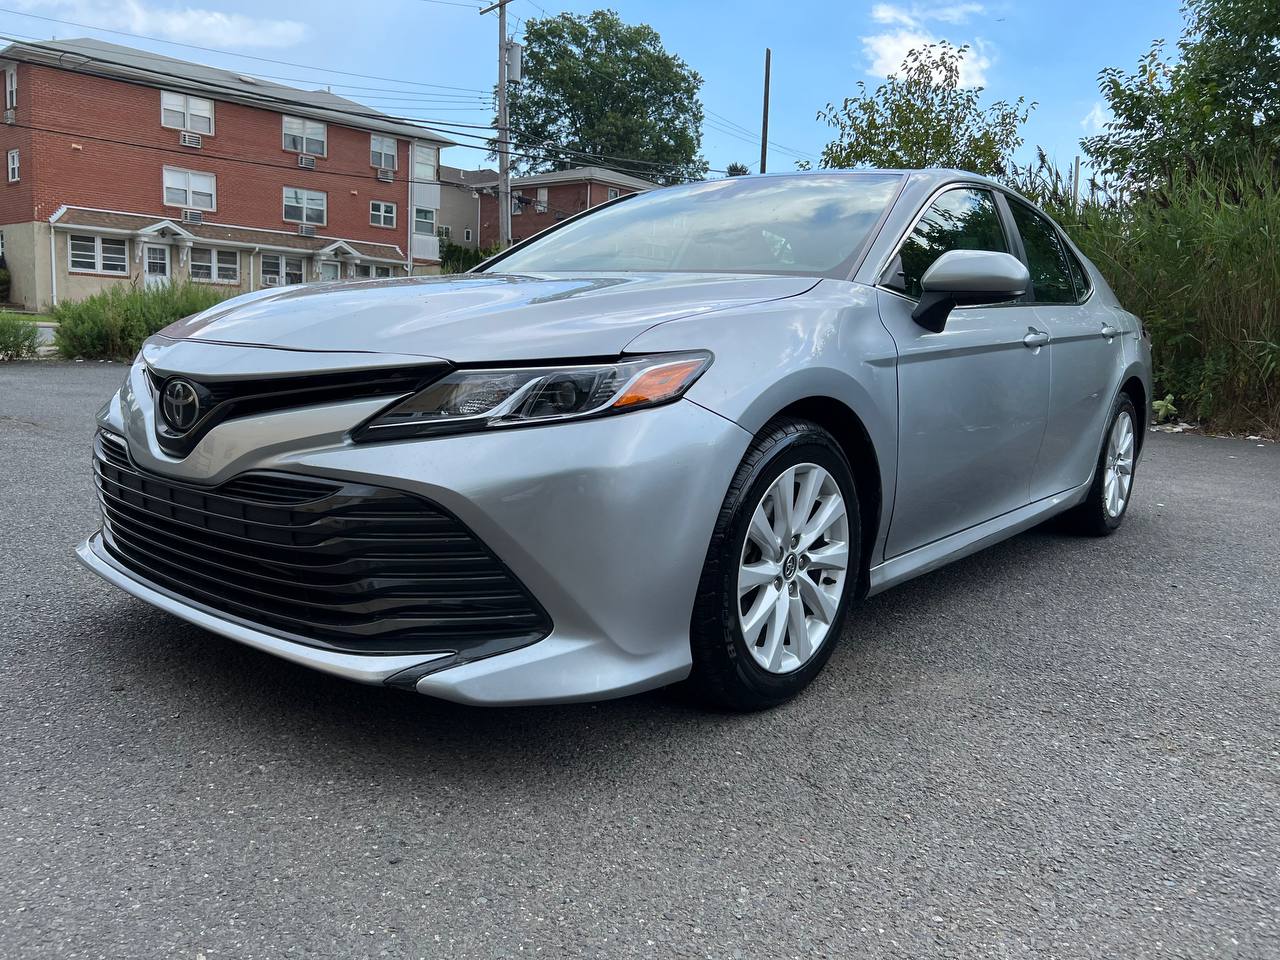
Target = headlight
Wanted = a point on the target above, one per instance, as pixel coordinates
(468, 400)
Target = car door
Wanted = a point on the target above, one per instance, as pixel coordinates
(1087, 354)
(972, 399)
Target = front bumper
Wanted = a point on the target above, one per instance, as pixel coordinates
(606, 522)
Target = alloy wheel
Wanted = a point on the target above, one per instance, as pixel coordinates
(1119, 472)
(792, 572)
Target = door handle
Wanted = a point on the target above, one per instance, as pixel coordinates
(1110, 332)
(1035, 338)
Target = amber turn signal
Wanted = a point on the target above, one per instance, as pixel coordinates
(661, 383)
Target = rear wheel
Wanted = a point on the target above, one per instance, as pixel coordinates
(780, 571)
(1104, 509)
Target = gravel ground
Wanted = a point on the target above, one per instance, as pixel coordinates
(1056, 748)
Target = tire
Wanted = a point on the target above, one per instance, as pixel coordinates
(728, 671)
(1097, 516)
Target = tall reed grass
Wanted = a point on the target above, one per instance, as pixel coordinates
(1199, 262)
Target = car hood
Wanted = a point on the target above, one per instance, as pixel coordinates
(477, 317)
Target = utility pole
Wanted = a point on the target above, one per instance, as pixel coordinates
(764, 123)
(504, 130)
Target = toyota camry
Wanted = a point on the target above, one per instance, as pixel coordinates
(674, 438)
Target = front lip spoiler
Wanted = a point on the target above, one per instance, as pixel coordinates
(363, 668)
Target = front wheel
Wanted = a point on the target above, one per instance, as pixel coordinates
(1104, 509)
(780, 570)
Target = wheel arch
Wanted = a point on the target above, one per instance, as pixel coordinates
(843, 423)
(1137, 392)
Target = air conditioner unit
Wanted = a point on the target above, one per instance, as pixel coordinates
(306, 230)
(306, 161)
(386, 174)
(271, 280)
(188, 139)
(10, 116)
(192, 216)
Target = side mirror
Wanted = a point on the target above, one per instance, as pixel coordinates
(966, 278)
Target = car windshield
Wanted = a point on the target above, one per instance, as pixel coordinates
(812, 224)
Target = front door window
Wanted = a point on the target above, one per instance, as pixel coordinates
(330, 270)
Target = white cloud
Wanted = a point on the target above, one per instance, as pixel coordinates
(915, 15)
(197, 25)
(1096, 119)
(888, 13)
(887, 51)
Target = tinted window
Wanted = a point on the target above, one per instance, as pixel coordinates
(1079, 275)
(1046, 258)
(803, 224)
(962, 219)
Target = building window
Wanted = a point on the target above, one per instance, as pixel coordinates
(613, 193)
(306, 206)
(277, 270)
(517, 202)
(363, 271)
(11, 88)
(542, 199)
(424, 221)
(466, 234)
(382, 152)
(181, 112)
(215, 266)
(13, 166)
(187, 188)
(444, 232)
(305, 136)
(382, 214)
(425, 161)
(93, 254)
(1, 243)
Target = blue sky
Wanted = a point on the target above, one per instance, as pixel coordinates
(1049, 52)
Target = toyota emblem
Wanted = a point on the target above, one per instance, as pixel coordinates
(180, 405)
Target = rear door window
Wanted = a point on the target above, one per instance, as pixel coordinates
(1046, 256)
(961, 219)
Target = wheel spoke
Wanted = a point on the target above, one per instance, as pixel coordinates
(771, 655)
(829, 512)
(798, 629)
(752, 575)
(784, 497)
(809, 484)
(756, 617)
(833, 556)
(761, 533)
(818, 600)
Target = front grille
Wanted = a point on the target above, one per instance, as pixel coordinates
(347, 566)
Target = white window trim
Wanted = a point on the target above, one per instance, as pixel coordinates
(324, 135)
(612, 193)
(447, 233)
(305, 194)
(14, 165)
(394, 153)
(189, 205)
(213, 266)
(433, 222)
(414, 162)
(466, 234)
(186, 114)
(380, 222)
(97, 255)
(11, 87)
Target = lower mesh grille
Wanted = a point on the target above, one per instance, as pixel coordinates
(348, 566)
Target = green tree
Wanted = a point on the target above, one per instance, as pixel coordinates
(736, 170)
(923, 117)
(600, 92)
(1213, 108)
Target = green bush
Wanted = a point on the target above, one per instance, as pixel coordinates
(112, 325)
(455, 258)
(1199, 262)
(18, 337)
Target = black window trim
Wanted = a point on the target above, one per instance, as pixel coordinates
(1011, 236)
(1067, 246)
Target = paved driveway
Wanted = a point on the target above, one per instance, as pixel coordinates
(1056, 748)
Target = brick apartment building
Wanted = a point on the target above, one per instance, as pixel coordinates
(127, 167)
(543, 199)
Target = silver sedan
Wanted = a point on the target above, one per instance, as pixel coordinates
(676, 438)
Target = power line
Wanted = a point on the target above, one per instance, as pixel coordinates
(228, 53)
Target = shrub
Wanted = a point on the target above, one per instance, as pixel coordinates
(18, 337)
(111, 325)
(1199, 263)
(455, 258)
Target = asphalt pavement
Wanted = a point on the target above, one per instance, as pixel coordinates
(1056, 748)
